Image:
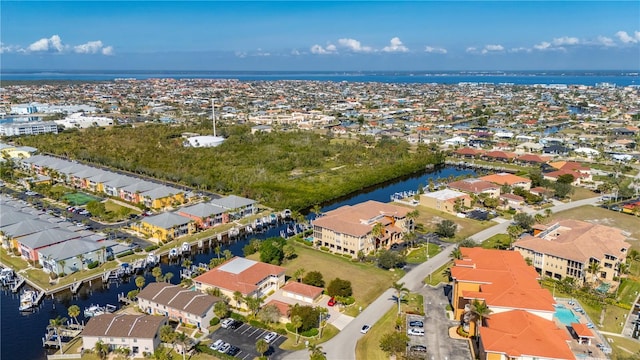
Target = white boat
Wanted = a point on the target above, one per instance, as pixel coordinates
(28, 300)
(286, 214)
(185, 248)
(173, 253)
(95, 310)
(152, 259)
(6, 276)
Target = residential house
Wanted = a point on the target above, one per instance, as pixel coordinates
(568, 248)
(476, 187)
(303, 292)
(76, 254)
(238, 207)
(498, 155)
(349, 229)
(250, 278)
(165, 226)
(446, 200)
(138, 333)
(178, 304)
(205, 215)
(508, 179)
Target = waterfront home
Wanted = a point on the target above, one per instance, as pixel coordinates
(508, 179)
(13, 233)
(467, 152)
(476, 187)
(165, 226)
(447, 200)
(205, 215)
(29, 245)
(138, 333)
(178, 304)
(569, 247)
(250, 278)
(76, 254)
(498, 155)
(349, 229)
(532, 159)
(237, 206)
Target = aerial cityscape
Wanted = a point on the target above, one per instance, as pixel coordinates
(320, 180)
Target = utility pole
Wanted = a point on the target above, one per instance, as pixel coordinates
(213, 115)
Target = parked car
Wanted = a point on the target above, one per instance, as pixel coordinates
(233, 350)
(235, 324)
(270, 337)
(224, 348)
(226, 323)
(331, 302)
(418, 348)
(216, 344)
(416, 323)
(415, 331)
(365, 329)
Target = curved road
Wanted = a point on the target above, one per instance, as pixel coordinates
(343, 345)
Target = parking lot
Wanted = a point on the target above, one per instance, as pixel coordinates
(245, 337)
(417, 343)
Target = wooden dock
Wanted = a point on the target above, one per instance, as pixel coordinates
(18, 284)
(75, 287)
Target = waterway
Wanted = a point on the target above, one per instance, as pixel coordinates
(21, 334)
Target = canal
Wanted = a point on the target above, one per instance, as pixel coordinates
(21, 334)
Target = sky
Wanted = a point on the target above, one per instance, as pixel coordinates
(320, 36)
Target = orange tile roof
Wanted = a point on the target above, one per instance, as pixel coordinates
(582, 330)
(245, 281)
(505, 279)
(505, 178)
(353, 220)
(303, 289)
(517, 333)
(282, 306)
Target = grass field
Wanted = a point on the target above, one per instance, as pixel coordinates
(624, 348)
(368, 346)
(367, 280)
(580, 193)
(419, 255)
(466, 227)
(438, 275)
(79, 198)
(495, 240)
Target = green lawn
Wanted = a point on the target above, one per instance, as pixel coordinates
(466, 227)
(580, 193)
(496, 240)
(438, 276)
(419, 255)
(624, 348)
(628, 291)
(368, 346)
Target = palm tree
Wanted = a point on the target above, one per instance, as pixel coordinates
(157, 273)
(262, 347)
(316, 210)
(227, 254)
(238, 298)
(101, 349)
(74, 311)
(221, 309)
(140, 281)
(377, 231)
(298, 274)
(400, 290)
(548, 212)
(253, 303)
(182, 339)
(480, 311)
(168, 276)
(296, 322)
(316, 353)
(57, 323)
(217, 250)
(62, 263)
(456, 254)
(81, 259)
(593, 268)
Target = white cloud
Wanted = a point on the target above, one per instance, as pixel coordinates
(108, 50)
(395, 45)
(471, 49)
(318, 49)
(628, 39)
(566, 40)
(605, 41)
(91, 47)
(295, 52)
(435, 50)
(53, 44)
(354, 45)
(519, 50)
(492, 48)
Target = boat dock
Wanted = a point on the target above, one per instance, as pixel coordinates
(75, 287)
(18, 284)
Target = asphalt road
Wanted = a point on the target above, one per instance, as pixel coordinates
(343, 345)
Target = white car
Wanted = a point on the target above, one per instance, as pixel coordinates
(415, 331)
(216, 345)
(365, 329)
(224, 347)
(226, 323)
(270, 337)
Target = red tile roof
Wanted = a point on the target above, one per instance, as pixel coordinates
(517, 333)
(505, 178)
(355, 220)
(245, 281)
(582, 330)
(303, 289)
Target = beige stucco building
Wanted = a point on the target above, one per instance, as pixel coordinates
(568, 247)
(350, 229)
(138, 333)
(447, 200)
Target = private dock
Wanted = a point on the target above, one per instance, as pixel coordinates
(18, 284)
(75, 287)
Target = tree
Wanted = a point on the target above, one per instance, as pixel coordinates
(101, 349)
(523, 220)
(262, 346)
(140, 281)
(227, 254)
(388, 259)
(269, 314)
(446, 228)
(298, 273)
(57, 324)
(167, 334)
(316, 352)
(253, 303)
(296, 323)
(480, 311)
(514, 231)
(562, 190)
(182, 339)
(339, 287)
(456, 254)
(74, 311)
(289, 252)
(310, 316)
(565, 179)
(378, 232)
(271, 251)
(467, 243)
(316, 210)
(221, 309)
(157, 273)
(313, 278)
(400, 290)
(394, 343)
(168, 276)
(238, 298)
(593, 268)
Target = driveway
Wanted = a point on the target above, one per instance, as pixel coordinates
(336, 318)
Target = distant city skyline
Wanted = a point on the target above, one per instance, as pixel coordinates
(320, 36)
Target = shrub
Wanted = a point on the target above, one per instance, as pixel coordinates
(126, 253)
(93, 264)
(151, 248)
(215, 321)
(281, 331)
(236, 316)
(313, 278)
(258, 324)
(324, 248)
(339, 287)
(310, 333)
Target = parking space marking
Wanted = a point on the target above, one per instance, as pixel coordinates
(245, 330)
(254, 331)
(262, 333)
(246, 356)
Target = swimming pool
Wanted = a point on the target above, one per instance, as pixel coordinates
(566, 316)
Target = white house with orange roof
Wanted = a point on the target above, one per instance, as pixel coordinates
(349, 229)
(249, 277)
(508, 179)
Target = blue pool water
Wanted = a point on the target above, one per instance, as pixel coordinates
(566, 316)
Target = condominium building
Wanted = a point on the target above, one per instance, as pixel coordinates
(350, 229)
(569, 247)
(28, 128)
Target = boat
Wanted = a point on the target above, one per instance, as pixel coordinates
(185, 248)
(257, 225)
(95, 310)
(173, 253)
(286, 214)
(273, 218)
(6, 276)
(28, 300)
(152, 259)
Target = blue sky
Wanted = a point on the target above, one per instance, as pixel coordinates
(327, 35)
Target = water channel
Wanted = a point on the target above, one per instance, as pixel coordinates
(21, 334)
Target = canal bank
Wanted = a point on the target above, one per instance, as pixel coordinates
(22, 333)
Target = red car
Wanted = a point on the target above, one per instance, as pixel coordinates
(331, 302)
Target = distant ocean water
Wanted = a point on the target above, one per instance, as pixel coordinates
(619, 78)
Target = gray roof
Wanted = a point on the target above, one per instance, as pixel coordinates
(27, 227)
(233, 202)
(139, 186)
(120, 181)
(167, 220)
(237, 265)
(161, 191)
(202, 210)
(11, 216)
(72, 248)
(48, 237)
